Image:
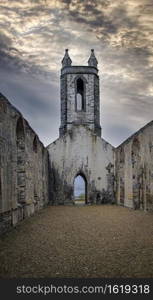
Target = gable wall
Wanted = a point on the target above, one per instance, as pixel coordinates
(80, 151)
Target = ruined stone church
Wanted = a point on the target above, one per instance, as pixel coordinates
(32, 176)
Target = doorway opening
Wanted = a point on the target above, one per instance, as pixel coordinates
(80, 189)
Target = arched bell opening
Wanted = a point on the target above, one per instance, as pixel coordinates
(80, 95)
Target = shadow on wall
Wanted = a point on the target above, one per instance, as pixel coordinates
(61, 193)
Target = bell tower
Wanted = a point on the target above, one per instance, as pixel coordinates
(80, 95)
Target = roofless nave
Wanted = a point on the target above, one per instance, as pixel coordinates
(32, 176)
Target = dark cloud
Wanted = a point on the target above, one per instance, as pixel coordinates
(17, 64)
(110, 24)
(33, 37)
(102, 22)
(67, 1)
(5, 42)
(121, 18)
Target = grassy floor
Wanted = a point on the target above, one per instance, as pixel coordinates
(80, 241)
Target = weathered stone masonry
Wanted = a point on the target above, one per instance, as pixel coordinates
(23, 168)
(32, 176)
(123, 175)
(134, 170)
(80, 150)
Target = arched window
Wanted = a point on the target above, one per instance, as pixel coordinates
(80, 189)
(20, 143)
(135, 157)
(2, 107)
(122, 156)
(35, 195)
(35, 147)
(122, 176)
(135, 151)
(80, 95)
(20, 136)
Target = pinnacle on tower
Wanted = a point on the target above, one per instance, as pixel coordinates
(92, 61)
(66, 61)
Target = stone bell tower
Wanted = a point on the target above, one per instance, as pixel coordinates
(80, 95)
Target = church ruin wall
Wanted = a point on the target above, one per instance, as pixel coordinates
(23, 168)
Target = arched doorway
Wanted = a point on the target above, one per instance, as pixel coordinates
(80, 189)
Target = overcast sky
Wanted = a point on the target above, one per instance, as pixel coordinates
(33, 38)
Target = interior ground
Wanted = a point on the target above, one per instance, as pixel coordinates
(81, 242)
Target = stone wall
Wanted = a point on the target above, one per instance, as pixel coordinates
(32, 176)
(81, 152)
(90, 115)
(23, 168)
(134, 170)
